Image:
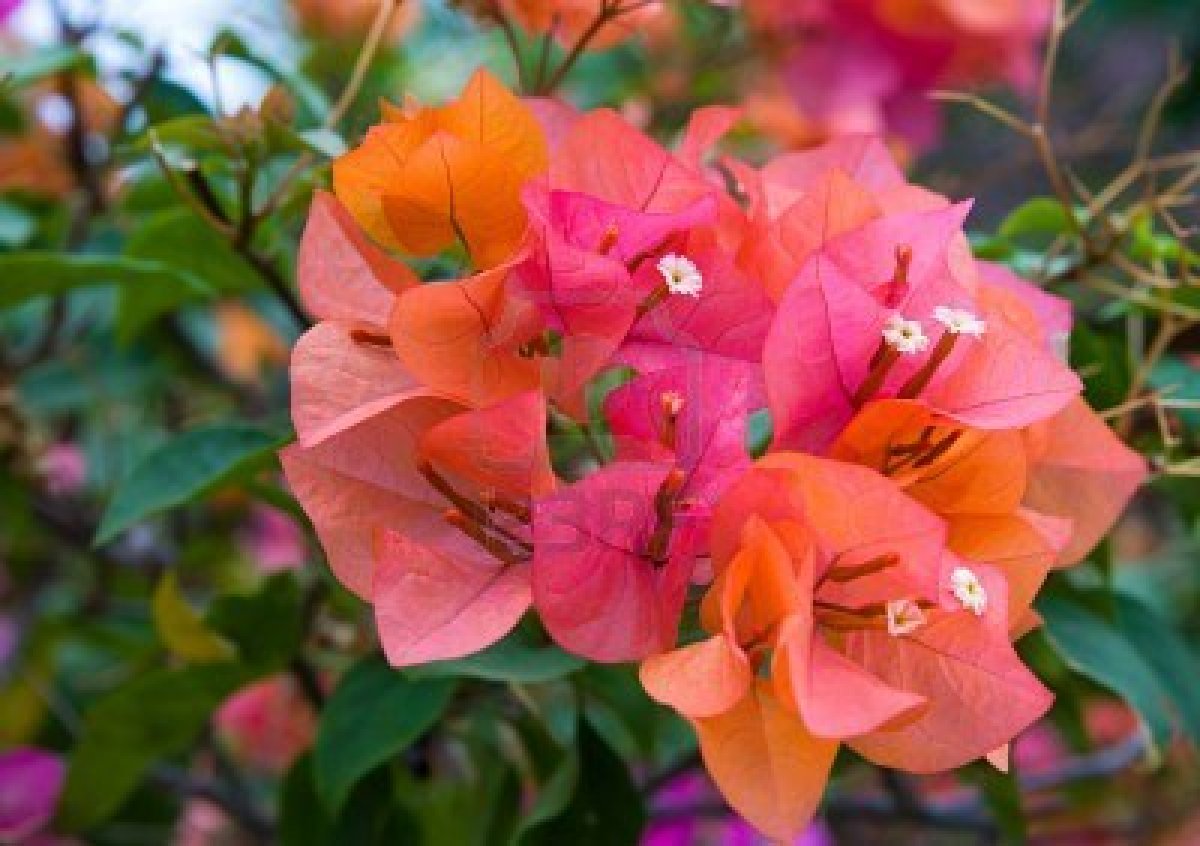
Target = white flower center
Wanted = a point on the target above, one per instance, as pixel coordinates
(903, 617)
(904, 335)
(968, 590)
(681, 275)
(672, 402)
(959, 321)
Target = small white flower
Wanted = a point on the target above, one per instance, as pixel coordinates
(905, 336)
(681, 275)
(903, 617)
(960, 321)
(968, 590)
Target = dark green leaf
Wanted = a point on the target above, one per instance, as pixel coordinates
(183, 469)
(552, 797)
(607, 809)
(374, 714)
(267, 626)
(1096, 648)
(153, 717)
(1169, 655)
(181, 239)
(1104, 363)
(29, 275)
(510, 660)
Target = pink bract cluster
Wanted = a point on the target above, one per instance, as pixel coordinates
(862, 581)
(869, 65)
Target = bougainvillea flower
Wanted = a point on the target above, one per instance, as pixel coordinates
(567, 21)
(579, 273)
(612, 560)
(1040, 315)
(792, 542)
(724, 316)
(603, 156)
(469, 338)
(1082, 471)
(341, 274)
(268, 724)
(867, 65)
(976, 480)
(865, 580)
(448, 595)
(693, 416)
(365, 476)
(30, 783)
(444, 600)
(433, 176)
(891, 310)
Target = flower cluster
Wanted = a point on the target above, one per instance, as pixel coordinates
(869, 65)
(863, 578)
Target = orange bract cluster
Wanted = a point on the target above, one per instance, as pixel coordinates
(864, 580)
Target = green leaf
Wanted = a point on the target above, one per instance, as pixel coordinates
(374, 714)
(29, 275)
(1102, 358)
(302, 819)
(372, 813)
(267, 626)
(195, 133)
(184, 469)
(509, 660)
(1165, 650)
(181, 629)
(606, 809)
(1039, 216)
(552, 797)
(19, 69)
(1097, 649)
(1182, 380)
(179, 238)
(1002, 794)
(153, 717)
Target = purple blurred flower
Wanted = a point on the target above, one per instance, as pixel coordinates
(30, 782)
(697, 830)
(7, 7)
(274, 541)
(63, 466)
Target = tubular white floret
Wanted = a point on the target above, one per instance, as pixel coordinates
(904, 335)
(960, 321)
(681, 275)
(969, 590)
(903, 617)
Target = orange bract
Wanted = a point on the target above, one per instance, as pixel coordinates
(431, 176)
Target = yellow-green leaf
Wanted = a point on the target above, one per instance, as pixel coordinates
(182, 630)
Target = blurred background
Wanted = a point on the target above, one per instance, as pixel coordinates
(127, 318)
